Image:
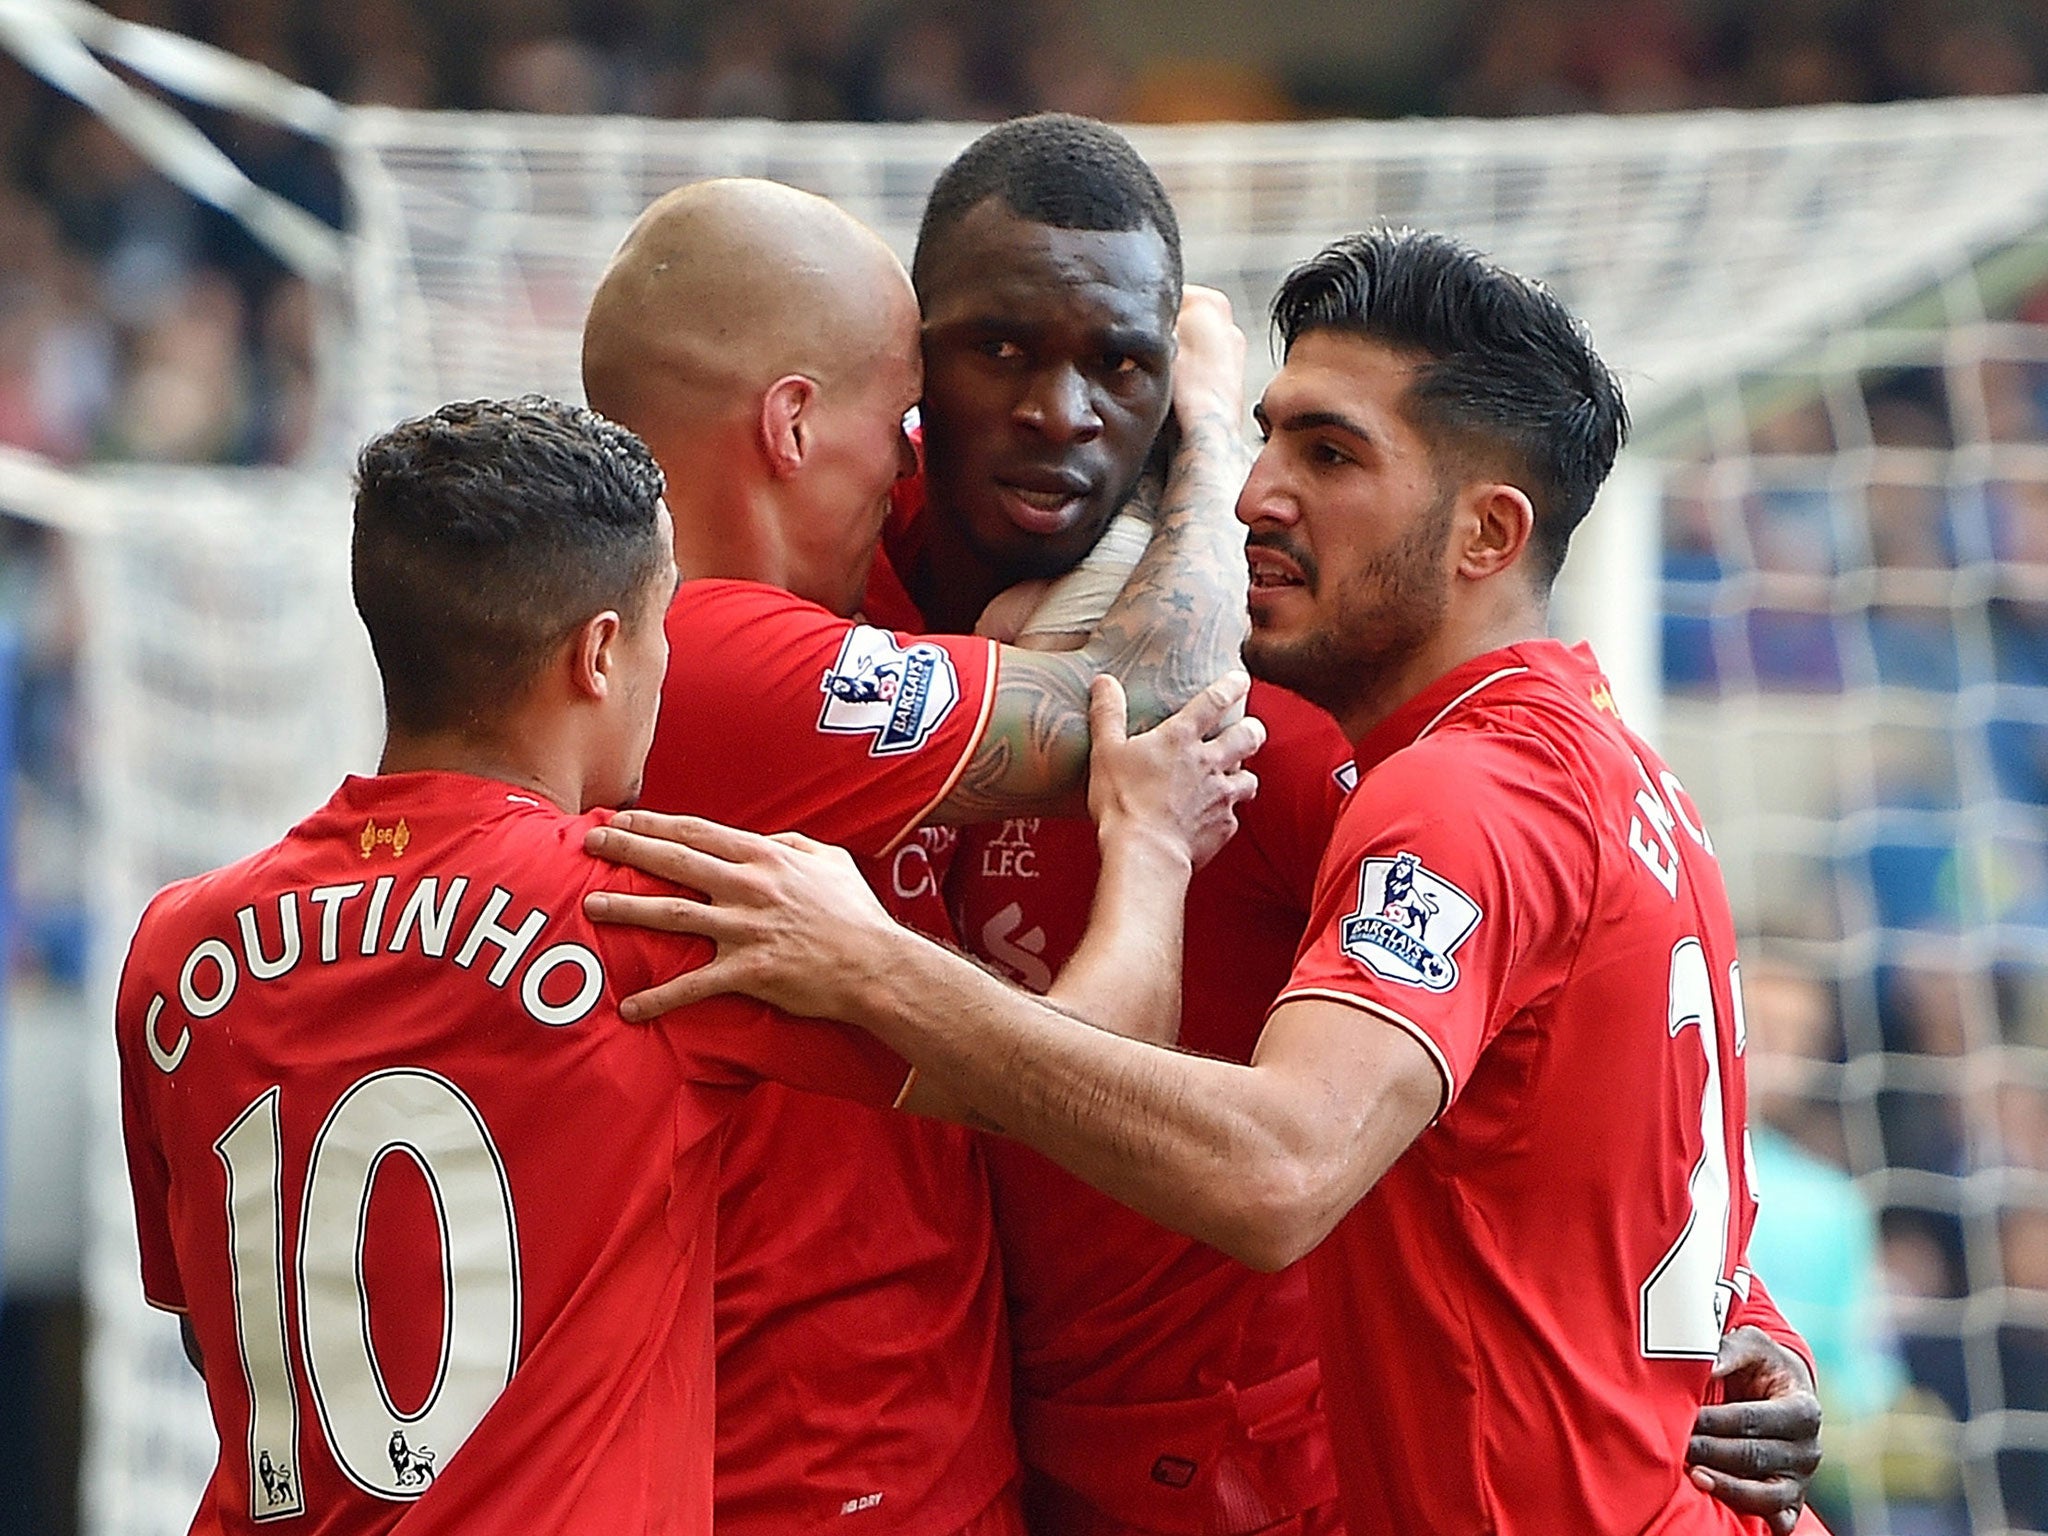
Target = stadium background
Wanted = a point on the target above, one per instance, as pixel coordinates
(1853, 617)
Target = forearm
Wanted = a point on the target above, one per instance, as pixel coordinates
(1125, 973)
(1185, 1140)
(1180, 620)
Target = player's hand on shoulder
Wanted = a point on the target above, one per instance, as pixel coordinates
(1758, 1448)
(1176, 787)
(1208, 367)
(791, 917)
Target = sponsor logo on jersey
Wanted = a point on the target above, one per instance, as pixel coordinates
(1409, 923)
(879, 688)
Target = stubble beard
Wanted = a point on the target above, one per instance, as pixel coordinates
(1381, 619)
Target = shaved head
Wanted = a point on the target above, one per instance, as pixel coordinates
(723, 287)
(765, 346)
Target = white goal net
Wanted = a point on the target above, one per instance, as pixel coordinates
(1834, 331)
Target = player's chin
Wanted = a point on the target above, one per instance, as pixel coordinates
(1022, 554)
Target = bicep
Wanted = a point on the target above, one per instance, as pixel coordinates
(1355, 1087)
(1032, 758)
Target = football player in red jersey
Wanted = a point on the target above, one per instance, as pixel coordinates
(1505, 1079)
(766, 345)
(437, 1223)
(1161, 1386)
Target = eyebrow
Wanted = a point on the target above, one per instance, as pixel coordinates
(1311, 421)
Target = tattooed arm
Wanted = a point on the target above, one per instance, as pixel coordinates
(1176, 626)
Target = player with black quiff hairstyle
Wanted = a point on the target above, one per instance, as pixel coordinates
(1055, 169)
(1508, 366)
(484, 534)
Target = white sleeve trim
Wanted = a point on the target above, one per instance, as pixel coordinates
(1385, 1015)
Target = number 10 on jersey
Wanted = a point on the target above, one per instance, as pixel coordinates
(383, 1451)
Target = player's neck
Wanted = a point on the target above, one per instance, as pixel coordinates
(1460, 639)
(733, 540)
(952, 583)
(485, 758)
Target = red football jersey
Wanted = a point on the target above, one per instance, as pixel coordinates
(1171, 1386)
(863, 1365)
(441, 1220)
(1519, 1319)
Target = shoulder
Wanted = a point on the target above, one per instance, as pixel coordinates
(718, 603)
(1489, 794)
(1468, 765)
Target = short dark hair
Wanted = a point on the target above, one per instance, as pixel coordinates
(484, 534)
(1054, 168)
(1509, 369)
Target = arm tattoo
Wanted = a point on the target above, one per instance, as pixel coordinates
(1175, 628)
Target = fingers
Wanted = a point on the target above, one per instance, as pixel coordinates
(1753, 1460)
(1778, 1500)
(679, 863)
(1240, 786)
(666, 914)
(1791, 1422)
(1202, 715)
(1108, 711)
(1240, 739)
(710, 837)
(677, 992)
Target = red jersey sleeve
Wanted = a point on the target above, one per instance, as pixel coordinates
(735, 1041)
(1452, 896)
(778, 716)
(149, 1174)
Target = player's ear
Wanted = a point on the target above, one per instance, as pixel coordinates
(1494, 529)
(591, 656)
(786, 422)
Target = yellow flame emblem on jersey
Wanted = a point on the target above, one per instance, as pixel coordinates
(1604, 700)
(395, 838)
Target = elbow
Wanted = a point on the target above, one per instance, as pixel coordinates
(1279, 1215)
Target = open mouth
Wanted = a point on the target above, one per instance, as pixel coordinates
(1043, 504)
(1271, 571)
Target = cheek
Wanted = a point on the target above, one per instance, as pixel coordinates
(1144, 409)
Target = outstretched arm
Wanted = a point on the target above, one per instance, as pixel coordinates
(1178, 621)
(1258, 1160)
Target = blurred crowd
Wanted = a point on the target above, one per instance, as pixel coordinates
(1865, 571)
(135, 324)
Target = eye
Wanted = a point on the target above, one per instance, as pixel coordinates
(1327, 455)
(1001, 350)
(1119, 364)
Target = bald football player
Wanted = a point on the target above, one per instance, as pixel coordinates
(766, 346)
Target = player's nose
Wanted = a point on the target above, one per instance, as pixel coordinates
(1059, 405)
(1264, 498)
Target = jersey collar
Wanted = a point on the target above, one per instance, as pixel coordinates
(1571, 666)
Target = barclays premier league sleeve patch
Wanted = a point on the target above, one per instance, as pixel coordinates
(878, 688)
(1409, 923)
